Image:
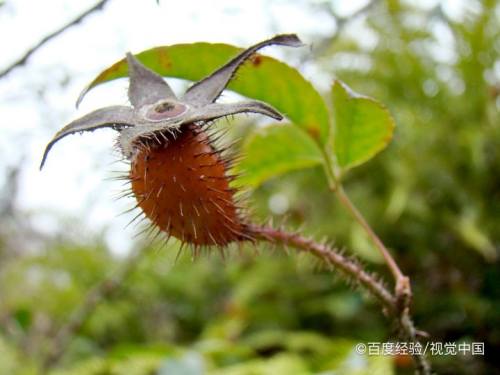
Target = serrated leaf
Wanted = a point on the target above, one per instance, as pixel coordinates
(262, 77)
(274, 150)
(362, 126)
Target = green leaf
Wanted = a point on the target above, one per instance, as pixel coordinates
(362, 126)
(274, 150)
(262, 78)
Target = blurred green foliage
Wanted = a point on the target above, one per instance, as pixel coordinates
(433, 196)
(242, 315)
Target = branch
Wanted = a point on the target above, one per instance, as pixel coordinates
(403, 288)
(349, 267)
(23, 59)
(353, 270)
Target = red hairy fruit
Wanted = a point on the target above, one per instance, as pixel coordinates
(181, 184)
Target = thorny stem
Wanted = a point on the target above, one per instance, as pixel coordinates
(391, 263)
(354, 271)
(349, 267)
(402, 281)
(402, 290)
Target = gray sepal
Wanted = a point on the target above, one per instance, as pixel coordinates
(146, 86)
(208, 89)
(156, 109)
(216, 110)
(116, 117)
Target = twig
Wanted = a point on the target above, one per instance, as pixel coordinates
(347, 266)
(354, 271)
(408, 333)
(81, 315)
(396, 272)
(402, 283)
(23, 59)
(403, 288)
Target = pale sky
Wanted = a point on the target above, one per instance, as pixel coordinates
(38, 99)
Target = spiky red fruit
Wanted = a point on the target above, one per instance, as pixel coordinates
(181, 184)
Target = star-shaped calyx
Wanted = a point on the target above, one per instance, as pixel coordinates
(155, 107)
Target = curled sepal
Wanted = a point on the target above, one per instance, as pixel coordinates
(146, 87)
(208, 89)
(116, 117)
(216, 110)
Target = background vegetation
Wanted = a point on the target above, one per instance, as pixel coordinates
(433, 196)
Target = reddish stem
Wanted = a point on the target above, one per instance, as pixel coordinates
(349, 267)
(402, 289)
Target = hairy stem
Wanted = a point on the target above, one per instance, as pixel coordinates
(349, 267)
(354, 271)
(403, 295)
(391, 263)
(403, 289)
